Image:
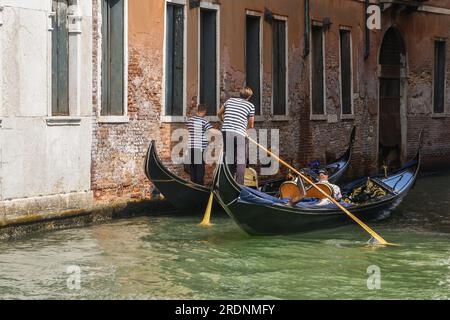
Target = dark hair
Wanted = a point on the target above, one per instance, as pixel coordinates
(202, 108)
(323, 171)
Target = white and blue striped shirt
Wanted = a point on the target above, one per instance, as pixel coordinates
(197, 128)
(237, 113)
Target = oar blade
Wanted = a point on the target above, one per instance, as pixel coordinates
(207, 216)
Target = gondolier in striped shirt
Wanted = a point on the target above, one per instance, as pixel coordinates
(198, 142)
(238, 115)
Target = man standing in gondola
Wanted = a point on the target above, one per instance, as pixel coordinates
(238, 115)
(197, 127)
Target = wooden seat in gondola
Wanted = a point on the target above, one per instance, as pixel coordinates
(291, 190)
(251, 178)
(314, 193)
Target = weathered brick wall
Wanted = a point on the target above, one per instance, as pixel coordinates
(119, 149)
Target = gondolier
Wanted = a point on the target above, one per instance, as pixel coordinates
(238, 115)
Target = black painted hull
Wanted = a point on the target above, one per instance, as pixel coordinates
(185, 196)
(258, 219)
(189, 197)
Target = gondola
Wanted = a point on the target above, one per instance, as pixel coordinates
(189, 197)
(261, 214)
(184, 195)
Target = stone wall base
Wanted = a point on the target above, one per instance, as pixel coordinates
(33, 215)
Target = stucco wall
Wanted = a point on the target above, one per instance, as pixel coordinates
(43, 155)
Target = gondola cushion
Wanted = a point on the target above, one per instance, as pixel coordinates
(249, 195)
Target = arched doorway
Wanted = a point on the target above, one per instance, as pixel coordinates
(392, 61)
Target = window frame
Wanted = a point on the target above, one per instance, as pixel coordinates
(253, 13)
(124, 118)
(324, 115)
(215, 7)
(286, 116)
(445, 111)
(347, 116)
(54, 40)
(164, 116)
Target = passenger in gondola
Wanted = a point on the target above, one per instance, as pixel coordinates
(238, 115)
(337, 194)
(198, 142)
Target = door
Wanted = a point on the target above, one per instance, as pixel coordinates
(392, 60)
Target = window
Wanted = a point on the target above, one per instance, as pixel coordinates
(317, 69)
(174, 60)
(253, 59)
(208, 59)
(279, 67)
(439, 77)
(113, 67)
(60, 59)
(346, 71)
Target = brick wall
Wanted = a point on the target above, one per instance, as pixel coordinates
(119, 149)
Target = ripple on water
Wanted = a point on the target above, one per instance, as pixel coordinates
(171, 257)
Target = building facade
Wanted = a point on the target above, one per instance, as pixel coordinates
(45, 106)
(316, 69)
(86, 85)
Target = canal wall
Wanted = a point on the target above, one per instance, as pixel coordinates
(21, 225)
(73, 158)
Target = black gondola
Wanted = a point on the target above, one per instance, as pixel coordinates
(190, 197)
(265, 216)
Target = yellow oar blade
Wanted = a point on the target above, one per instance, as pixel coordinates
(207, 217)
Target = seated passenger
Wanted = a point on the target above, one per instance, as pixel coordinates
(323, 178)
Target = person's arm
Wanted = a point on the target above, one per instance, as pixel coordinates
(221, 113)
(251, 117)
(251, 122)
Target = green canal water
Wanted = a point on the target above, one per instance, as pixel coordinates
(170, 257)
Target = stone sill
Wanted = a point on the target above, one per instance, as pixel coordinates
(347, 117)
(113, 119)
(439, 115)
(318, 117)
(173, 119)
(63, 121)
(280, 118)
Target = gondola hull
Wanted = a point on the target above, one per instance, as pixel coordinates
(256, 219)
(185, 196)
(189, 197)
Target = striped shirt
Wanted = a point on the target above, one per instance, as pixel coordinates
(197, 128)
(237, 113)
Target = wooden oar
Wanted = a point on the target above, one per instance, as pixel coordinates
(206, 222)
(374, 235)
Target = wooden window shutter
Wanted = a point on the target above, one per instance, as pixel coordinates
(60, 60)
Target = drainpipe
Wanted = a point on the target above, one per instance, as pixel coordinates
(307, 29)
(367, 33)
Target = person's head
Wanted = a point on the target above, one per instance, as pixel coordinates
(323, 175)
(201, 110)
(246, 93)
